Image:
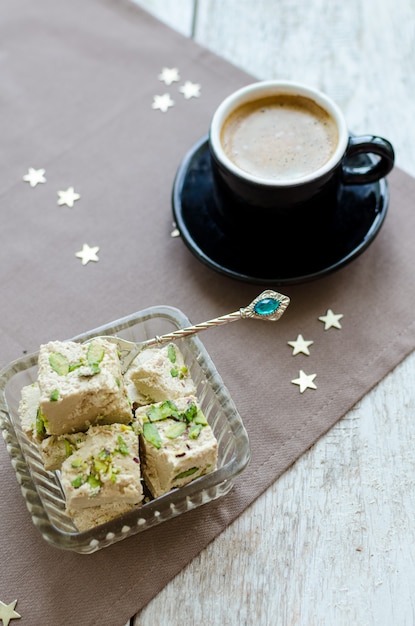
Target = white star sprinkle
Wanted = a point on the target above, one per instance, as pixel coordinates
(305, 381)
(190, 90)
(300, 345)
(169, 75)
(331, 320)
(34, 177)
(162, 103)
(7, 612)
(175, 232)
(68, 197)
(87, 254)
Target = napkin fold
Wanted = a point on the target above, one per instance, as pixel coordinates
(78, 86)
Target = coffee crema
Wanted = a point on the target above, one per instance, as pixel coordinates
(280, 138)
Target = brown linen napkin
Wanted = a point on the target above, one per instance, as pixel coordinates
(78, 81)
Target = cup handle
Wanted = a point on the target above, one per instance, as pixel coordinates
(369, 173)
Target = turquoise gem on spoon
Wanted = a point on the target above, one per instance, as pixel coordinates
(267, 306)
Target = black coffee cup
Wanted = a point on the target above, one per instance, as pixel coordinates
(281, 150)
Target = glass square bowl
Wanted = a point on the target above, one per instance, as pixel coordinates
(42, 489)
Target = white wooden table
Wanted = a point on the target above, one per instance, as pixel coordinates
(332, 542)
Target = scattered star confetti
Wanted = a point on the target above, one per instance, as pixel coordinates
(34, 177)
(68, 197)
(163, 103)
(7, 612)
(190, 90)
(87, 254)
(300, 345)
(305, 381)
(331, 320)
(169, 75)
(175, 232)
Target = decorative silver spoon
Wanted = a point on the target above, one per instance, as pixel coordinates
(269, 305)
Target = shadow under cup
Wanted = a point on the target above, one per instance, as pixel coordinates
(302, 208)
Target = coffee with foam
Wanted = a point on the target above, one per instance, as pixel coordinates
(280, 138)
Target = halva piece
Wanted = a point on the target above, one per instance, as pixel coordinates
(85, 519)
(54, 449)
(105, 470)
(28, 410)
(80, 385)
(177, 444)
(160, 373)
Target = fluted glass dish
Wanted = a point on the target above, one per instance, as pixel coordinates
(42, 489)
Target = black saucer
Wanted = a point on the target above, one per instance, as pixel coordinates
(293, 256)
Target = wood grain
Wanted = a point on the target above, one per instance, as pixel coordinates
(332, 542)
(177, 14)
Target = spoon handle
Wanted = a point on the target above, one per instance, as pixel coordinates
(269, 305)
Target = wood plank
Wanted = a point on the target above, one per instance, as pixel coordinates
(177, 14)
